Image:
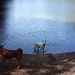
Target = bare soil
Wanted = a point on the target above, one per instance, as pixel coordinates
(41, 64)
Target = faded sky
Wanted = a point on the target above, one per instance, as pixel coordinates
(62, 10)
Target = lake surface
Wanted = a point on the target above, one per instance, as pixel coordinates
(23, 22)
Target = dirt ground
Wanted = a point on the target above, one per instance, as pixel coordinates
(41, 64)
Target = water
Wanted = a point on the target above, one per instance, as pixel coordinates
(23, 22)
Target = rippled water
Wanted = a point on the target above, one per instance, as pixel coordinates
(17, 30)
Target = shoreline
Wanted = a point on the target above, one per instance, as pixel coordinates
(42, 64)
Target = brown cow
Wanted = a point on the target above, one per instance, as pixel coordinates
(8, 54)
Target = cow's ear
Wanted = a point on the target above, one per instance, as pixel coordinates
(2, 45)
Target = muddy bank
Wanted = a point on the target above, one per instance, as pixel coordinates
(42, 64)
